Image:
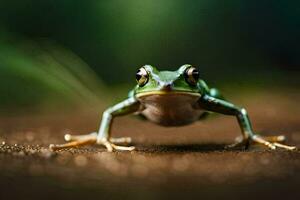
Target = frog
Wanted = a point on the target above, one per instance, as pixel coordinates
(171, 98)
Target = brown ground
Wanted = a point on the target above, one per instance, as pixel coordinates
(169, 162)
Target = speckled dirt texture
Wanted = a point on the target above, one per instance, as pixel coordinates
(183, 162)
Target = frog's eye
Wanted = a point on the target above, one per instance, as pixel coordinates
(142, 77)
(191, 76)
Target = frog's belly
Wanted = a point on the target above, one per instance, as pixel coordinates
(171, 109)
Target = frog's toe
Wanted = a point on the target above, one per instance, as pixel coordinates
(287, 147)
(72, 144)
(91, 136)
(121, 140)
(278, 138)
(108, 146)
(123, 148)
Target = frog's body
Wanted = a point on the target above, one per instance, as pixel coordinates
(171, 109)
(171, 98)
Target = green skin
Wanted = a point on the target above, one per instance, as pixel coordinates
(165, 85)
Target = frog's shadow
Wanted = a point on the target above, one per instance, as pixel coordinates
(183, 148)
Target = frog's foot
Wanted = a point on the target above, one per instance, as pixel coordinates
(81, 140)
(110, 146)
(271, 142)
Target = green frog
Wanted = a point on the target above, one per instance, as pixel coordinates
(171, 98)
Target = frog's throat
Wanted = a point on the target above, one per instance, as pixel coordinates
(142, 94)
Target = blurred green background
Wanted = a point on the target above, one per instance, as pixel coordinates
(63, 53)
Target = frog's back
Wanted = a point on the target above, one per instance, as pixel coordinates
(172, 109)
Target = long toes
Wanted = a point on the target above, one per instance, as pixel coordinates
(91, 136)
(279, 138)
(110, 146)
(55, 147)
(127, 140)
(123, 140)
(122, 148)
(273, 142)
(291, 148)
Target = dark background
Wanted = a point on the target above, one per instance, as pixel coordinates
(238, 42)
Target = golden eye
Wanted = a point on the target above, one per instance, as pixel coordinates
(142, 76)
(191, 76)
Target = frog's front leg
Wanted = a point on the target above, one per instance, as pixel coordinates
(221, 106)
(103, 137)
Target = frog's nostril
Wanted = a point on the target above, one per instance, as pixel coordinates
(167, 86)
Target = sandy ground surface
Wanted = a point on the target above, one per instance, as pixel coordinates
(182, 163)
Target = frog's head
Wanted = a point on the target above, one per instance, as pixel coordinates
(152, 81)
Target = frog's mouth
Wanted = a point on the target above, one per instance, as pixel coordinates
(160, 92)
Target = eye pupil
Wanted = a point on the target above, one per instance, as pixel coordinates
(191, 76)
(138, 75)
(195, 74)
(142, 77)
